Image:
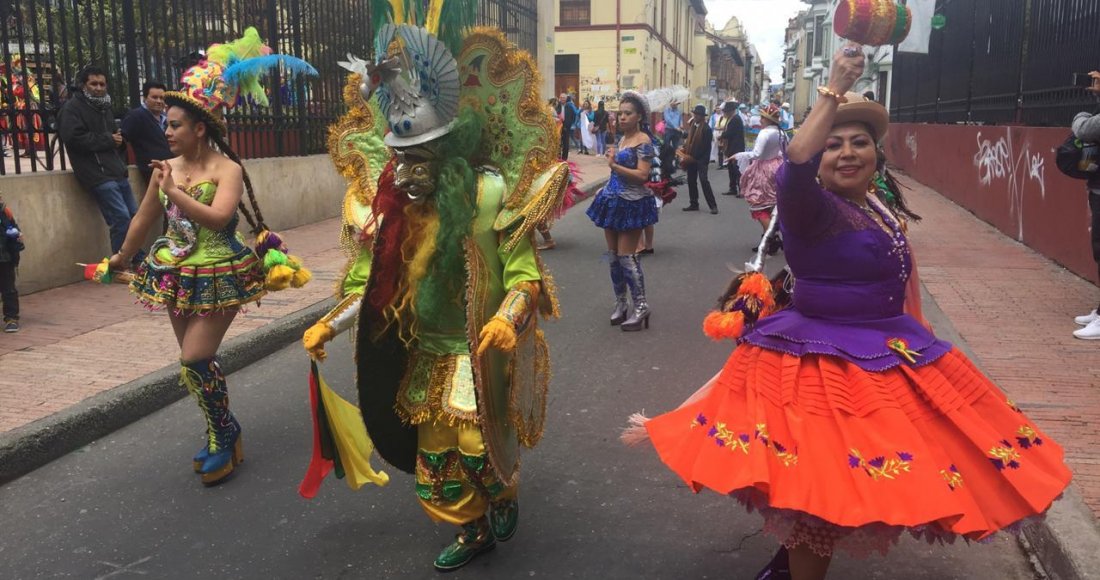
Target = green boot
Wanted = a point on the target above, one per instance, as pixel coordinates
(504, 518)
(476, 537)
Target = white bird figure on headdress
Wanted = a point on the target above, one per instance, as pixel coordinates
(374, 75)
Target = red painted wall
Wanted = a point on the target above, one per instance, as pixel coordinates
(1007, 177)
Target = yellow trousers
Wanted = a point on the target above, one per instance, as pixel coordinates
(454, 481)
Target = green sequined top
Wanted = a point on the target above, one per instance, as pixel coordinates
(186, 243)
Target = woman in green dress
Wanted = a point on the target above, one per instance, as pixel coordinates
(201, 270)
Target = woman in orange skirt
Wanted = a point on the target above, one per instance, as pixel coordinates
(843, 419)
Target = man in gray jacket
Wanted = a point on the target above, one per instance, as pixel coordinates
(1086, 127)
(95, 145)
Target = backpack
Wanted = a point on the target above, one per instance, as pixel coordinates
(1077, 159)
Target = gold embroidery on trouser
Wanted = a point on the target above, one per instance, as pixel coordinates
(453, 479)
(437, 388)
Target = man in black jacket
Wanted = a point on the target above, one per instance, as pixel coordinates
(732, 141)
(698, 148)
(143, 128)
(94, 144)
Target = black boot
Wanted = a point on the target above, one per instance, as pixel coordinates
(778, 569)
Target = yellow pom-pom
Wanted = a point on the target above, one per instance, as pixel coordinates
(301, 277)
(278, 278)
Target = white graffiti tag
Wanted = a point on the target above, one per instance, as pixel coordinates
(999, 161)
(911, 143)
(991, 160)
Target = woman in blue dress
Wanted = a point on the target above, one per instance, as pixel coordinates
(625, 206)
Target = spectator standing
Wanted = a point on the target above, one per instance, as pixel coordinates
(696, 160)
(600, 119)
(733, 142)
(1086, 127)
(786, 118)
(567, 112)
(143, 128)
(94, 143)
(11, 244)
(587, 128)
(674, 125)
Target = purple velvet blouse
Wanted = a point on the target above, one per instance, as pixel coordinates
(850, 278)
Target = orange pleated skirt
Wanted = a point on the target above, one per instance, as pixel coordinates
(836, 456)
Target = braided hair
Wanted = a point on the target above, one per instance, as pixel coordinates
(888, 190)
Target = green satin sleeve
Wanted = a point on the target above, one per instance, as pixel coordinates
(355, 282)
(520, 264)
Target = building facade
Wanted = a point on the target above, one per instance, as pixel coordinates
(604, 47)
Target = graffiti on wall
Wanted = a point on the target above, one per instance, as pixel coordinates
(998, 160)
(598, 87)
(911, 143)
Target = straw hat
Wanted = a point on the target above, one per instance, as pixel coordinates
(862, 110)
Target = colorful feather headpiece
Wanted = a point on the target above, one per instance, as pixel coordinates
(230, 72)
(414, 70)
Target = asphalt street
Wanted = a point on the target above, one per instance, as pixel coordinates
(129, 505)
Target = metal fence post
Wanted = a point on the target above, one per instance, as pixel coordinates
(129, 29)
(276, 95)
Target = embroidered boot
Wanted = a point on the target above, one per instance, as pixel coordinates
(635, 280)
(618, 285)
(503, 511)
(504, 518)
(476, 537)
(204, 379)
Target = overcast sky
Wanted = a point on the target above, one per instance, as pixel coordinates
(764, 20)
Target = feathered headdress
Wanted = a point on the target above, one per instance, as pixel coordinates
(414, 70)
(230, 72)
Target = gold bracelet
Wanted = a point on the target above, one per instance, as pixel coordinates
(827, 92)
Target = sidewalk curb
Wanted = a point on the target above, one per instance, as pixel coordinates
(1066, 542)
(31, 446)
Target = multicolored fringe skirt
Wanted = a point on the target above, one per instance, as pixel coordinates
(836, 457)
(611, 212)
(228, 283)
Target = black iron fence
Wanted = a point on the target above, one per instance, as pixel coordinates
(45, 43)
(1001, 62)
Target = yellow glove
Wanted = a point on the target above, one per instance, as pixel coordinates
(497, 333)
(315, 338)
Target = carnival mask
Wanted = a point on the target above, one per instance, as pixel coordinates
(415, 172)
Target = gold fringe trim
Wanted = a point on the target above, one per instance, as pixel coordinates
(435, 407)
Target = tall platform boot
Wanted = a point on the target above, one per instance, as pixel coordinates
(618, 285)
(205, 380)
(635, 280)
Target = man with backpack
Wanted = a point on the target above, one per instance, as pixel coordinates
(1086, 130)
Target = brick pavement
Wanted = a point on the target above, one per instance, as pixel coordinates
(1014, 308)
(82, 339)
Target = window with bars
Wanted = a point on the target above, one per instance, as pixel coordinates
(576, 13)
